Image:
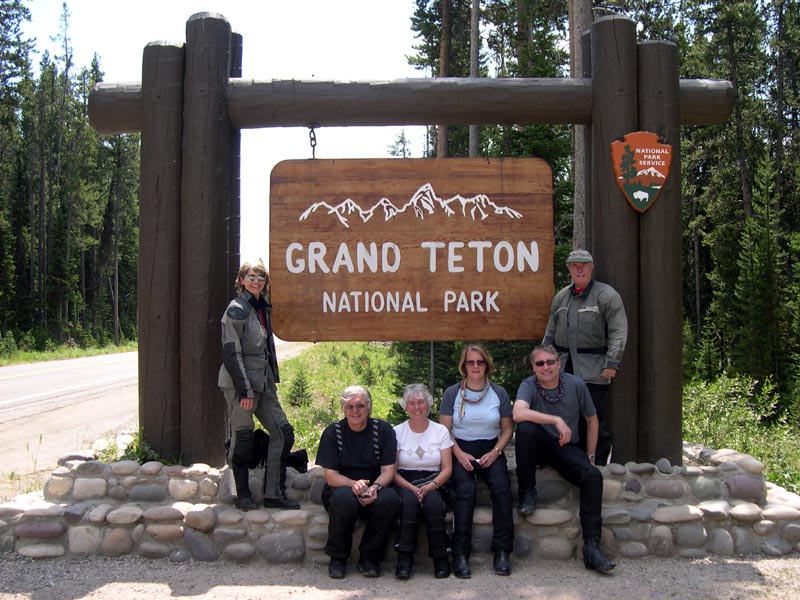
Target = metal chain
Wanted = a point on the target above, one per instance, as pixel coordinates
(312, 138)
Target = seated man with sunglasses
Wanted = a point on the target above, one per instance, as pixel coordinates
(547, 410)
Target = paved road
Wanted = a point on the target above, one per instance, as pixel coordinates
(50, 408)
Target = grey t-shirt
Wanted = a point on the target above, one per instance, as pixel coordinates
(575, 402)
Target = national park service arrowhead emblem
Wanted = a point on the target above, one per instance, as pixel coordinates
(641, 166)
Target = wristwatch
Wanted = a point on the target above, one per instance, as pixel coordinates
(378, 485)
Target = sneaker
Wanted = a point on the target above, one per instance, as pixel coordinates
(246, 504)
(336, 568)
(368, 568)
(281, 502)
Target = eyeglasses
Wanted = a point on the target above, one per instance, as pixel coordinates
(251, 278)
(353, 407)
(549, 362)
(475, 363)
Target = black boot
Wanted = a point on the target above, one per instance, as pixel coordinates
(461, 566)
(281, 502)
(527, 502)
(441, 567)
(244, 500)
(594, 559)
(502, 564)
(246, 503)
(405, 562)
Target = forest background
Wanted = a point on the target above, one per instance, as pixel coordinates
(69, 197)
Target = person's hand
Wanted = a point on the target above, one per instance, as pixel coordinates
(465, 460)
(564, 432)
(608, 373)
(369, 496)
(488, 459)
(246, 403)
(423, 490)
(360, 487)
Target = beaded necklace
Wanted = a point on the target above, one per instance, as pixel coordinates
(465, 400)
(546, 397)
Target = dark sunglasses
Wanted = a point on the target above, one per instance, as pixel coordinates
(549, 362)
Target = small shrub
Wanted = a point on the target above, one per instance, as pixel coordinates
(741, 414)
(8, 345)
(141, 451)
(299, 392)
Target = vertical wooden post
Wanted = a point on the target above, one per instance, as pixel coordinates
(614, 227)
(159, 248)
(660, 296)
(205, 197)
(233, 222)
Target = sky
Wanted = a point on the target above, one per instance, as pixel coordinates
(322, 40)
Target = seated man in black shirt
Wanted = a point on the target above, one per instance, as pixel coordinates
(358, 454)
(548, 407)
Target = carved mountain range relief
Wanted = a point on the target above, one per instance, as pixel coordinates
(424, 202)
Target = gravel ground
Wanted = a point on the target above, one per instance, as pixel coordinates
(131, 578)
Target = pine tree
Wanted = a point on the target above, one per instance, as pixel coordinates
(760, 349)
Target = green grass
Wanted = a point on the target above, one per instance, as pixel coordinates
(63, 352)
(741, 414)
(324, 371)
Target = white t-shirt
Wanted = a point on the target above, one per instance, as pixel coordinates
(421, 451)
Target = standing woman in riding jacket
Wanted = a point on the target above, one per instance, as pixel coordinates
(247, 378)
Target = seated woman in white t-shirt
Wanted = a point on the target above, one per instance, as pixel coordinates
(424, 465)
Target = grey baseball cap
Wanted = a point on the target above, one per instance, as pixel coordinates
(579, 256)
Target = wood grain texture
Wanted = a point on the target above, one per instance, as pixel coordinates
(116, 107)
(508, 305)
(614, 227)
(159, 296)
(660, 281)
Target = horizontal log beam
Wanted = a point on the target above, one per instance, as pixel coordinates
(455, 101)
(116, 107)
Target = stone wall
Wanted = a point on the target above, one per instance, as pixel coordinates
(716, 504)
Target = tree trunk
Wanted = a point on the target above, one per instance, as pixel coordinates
(744, 178)
(474, 60)
(444, 67)
(580, 19)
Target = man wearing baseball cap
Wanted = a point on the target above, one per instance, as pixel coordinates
(589, 328)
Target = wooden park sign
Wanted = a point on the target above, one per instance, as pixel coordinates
(411, 249)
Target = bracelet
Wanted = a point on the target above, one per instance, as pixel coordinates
(435, 485)
(498, 449)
